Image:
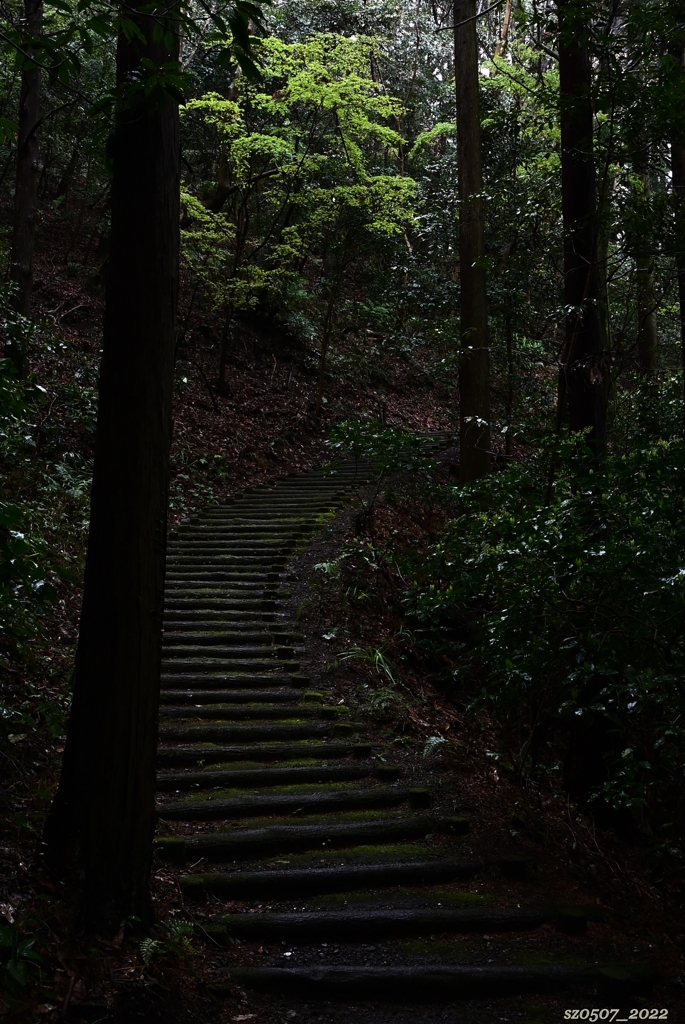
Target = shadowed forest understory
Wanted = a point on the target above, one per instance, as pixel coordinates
(343, 393)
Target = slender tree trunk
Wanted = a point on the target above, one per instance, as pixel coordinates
(504, 34)
(474, 366)
(678, 173)
(586, 383)
(99, 833)
(645, 295)
(323, 352)
(26, 190)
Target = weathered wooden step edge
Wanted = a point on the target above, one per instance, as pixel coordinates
(261, 842)
(348, 925)
(304, 803)
(255, 733)
(320, 881)
(261, 752)
(287, 695)
(252, 711)
(282, 776)
(436, 984)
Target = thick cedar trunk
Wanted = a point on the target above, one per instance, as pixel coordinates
(474, 366)
(584, 381)
(26, 190)
(100, 829)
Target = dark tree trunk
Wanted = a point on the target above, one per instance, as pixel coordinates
(474, 366)
(100, 828)
(678, 172)
(584, 381)
(26, 190)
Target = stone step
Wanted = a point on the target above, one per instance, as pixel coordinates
(221, 680)
(251, 733)
(246, 604)
(247, 844)
(293, 882)
(287, 775)
(292, 803)
(288, 696)
(254, 590)
(437, 983)
(228, 636)
(234, 660)
(242, 622)
(251, 712)
(260, 752)
(372, 925)
(244, 638)
(196, 577)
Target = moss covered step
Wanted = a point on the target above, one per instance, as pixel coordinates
(260, 752)
(348, 925)
(251, 712)
(220, 624)
(261, 842)
(260, 733)
(234, 660)
(225, 635)
(288, 695)
(438, 984)
(285, 803)
(239, 679)
(287, 775)
(237, 885)
(219, 605)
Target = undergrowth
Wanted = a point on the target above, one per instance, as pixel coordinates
(561, 616)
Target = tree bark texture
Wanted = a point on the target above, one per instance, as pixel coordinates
(678, 180)
(100, 829)
(26, 188)
(474, 365)
(584, 381)
(647, 339)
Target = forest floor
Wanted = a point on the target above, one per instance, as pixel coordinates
(263, 428)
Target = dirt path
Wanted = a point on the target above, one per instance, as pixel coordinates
(335, 879)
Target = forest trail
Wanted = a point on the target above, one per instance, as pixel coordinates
(322, 866)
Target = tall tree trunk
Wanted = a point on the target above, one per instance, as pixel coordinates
(645, 295)
(26, 190)
(584, 379)
(100, 829)
(504, 34)
(474, 366)
(678, 173)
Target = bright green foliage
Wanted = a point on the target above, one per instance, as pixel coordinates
(303, 182)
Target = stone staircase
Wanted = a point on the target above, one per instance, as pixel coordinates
(316, 865)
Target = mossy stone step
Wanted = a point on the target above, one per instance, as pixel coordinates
(244, 733)
(349, 925)
(262, 842)
(292, 882)
(288, 695)
(234, 659)
(260, 752)
(251, 712)
(220, 680)
(291, 803)
(254, 732)
(241, 638)
(286, 775)
(437, 984)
